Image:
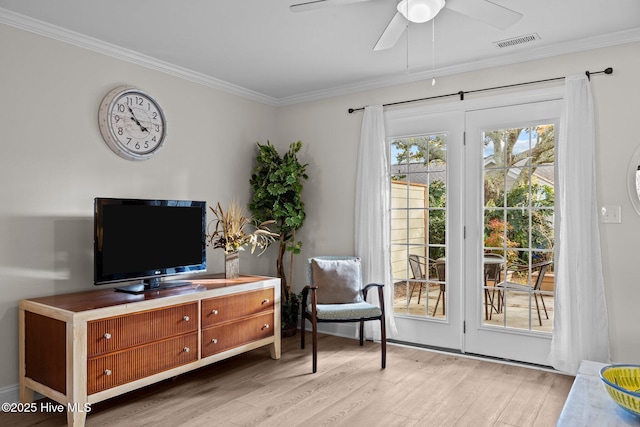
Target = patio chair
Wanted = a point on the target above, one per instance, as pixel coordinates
(335, 294)
(440, 266)
(416, 262)
(493, 265)
(538, 272)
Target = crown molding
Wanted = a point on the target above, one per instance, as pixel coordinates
(607, 40)
(61, 34)
(48, 30)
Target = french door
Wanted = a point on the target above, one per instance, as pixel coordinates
(426, 155)
(509, 247)
(472, 218)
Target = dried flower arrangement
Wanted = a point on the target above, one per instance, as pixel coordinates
(230, 235)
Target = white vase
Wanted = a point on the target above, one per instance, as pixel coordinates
(232, 265)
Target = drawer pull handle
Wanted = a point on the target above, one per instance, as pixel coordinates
(107, 371)
(186, 349)
(214, 312)
(107, 336)
(214, 341)
(265, 326)
(185, 318)
(265, 301)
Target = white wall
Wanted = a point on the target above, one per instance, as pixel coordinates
(53, 162)
(331, 138)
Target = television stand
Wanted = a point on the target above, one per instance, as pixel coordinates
(142, 287)
(82, 348)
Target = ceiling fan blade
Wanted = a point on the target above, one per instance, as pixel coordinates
(485, 11)
(318, 4)
(392, 33)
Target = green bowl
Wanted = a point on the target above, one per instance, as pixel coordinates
(623, 385)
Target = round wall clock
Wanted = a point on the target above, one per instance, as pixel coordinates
(132, 123)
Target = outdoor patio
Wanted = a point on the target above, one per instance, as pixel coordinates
(516, 310)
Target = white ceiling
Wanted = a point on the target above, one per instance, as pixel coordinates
(260, 49)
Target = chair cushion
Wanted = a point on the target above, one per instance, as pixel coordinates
(338, 280)
(358, 310)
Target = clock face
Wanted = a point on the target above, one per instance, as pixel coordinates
(132, 123)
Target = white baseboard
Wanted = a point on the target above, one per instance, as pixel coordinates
(10, 394)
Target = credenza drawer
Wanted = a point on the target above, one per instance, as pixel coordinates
(111, 370)
(226, 308)
(121, 332)
(220, 338)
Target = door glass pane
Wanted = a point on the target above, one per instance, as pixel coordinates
(418, 225)
(518, 185)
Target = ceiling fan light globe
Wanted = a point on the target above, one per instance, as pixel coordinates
(420, 11)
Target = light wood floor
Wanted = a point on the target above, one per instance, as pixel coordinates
(418, 388)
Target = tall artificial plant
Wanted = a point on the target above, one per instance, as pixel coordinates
(277, 183)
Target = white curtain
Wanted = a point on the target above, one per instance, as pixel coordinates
(580, 327)
(372, 228)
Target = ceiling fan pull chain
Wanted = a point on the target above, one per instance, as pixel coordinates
(433, 49)
(407, 53)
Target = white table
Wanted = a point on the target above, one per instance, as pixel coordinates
(589, 404)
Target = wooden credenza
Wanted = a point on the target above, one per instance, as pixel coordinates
(82, 348)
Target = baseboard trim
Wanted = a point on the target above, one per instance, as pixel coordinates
(10, 394)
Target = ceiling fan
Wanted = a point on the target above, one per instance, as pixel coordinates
(424, 10)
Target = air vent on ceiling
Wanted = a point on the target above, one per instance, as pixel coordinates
(516, 41)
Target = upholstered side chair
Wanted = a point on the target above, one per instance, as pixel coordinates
(335, 294)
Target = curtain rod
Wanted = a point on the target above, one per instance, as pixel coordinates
(462, 92)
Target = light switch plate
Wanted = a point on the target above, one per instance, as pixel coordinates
(611, 215)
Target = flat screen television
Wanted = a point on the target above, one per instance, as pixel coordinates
(145, 240)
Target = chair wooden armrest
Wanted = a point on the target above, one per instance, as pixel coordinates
(380, 287)
(305, 294)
